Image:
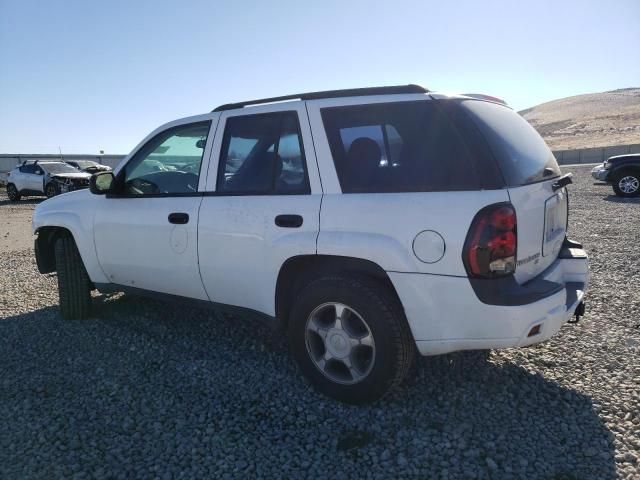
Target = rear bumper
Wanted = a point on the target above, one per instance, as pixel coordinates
(446, 315)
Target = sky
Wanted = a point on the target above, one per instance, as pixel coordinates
(85, 76)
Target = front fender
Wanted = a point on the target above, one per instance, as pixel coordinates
(74, 213)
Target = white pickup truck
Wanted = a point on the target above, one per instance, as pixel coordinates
(368, 224)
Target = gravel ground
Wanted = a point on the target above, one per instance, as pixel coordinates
(145, 389)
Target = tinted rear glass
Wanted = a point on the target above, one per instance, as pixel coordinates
(398, 147)
(522, 154)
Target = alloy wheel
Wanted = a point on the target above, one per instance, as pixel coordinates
(628, 184)
(340, 343)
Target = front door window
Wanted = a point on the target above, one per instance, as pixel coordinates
(169, 163)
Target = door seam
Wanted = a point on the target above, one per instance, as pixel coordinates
(315, 155)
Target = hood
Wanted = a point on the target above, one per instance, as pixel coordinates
(71, 175)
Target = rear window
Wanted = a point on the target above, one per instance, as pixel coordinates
(398, 147)
(522, 154)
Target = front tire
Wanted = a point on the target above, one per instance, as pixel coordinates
(627, 184)
(350, 338)
(51, 190)
(13, 193)
(74, 285)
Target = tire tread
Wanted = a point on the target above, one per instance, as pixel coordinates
(74, 286)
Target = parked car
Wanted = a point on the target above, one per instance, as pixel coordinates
(88, 166)
(599, 172)
(44, 178)
(367, 225)
(622, 172)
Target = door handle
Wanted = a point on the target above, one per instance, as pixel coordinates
(289, 221)
(179, 218)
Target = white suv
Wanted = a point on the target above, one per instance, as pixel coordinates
(370, 224)
(44, 178)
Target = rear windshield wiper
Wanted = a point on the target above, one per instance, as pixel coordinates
(562, 181)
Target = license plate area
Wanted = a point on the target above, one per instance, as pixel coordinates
(555, 222)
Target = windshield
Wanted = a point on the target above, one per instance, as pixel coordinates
(522, 154)
(58, 168)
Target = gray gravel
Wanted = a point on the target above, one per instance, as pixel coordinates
(150, 390)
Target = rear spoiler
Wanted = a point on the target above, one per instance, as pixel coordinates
(562, 181)
(489, 98)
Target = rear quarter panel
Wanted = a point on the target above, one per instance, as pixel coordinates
(382, 227)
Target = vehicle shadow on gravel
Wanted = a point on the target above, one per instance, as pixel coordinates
(145, 383)
(616, 199)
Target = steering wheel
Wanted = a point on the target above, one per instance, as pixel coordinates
(142, 186)
(191, 180)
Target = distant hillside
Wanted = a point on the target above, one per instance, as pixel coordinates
(592, 120)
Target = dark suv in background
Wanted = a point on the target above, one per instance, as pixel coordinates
(623, 173)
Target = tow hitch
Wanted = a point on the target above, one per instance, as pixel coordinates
(578, 313)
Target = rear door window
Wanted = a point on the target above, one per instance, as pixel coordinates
(522, 154)
(262, 155)
(28, 168)
(398, 147)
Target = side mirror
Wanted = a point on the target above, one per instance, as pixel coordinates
(39, 172)
(102, 183)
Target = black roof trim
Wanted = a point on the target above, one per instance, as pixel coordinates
(350, 92)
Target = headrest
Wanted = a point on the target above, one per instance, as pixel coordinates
(364, 150)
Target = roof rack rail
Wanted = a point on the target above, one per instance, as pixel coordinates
(350, 92)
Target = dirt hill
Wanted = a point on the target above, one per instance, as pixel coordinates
(591, 120)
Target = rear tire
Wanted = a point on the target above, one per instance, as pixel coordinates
(13, 193)
(627, 184)
(74, 285)
(372, 366)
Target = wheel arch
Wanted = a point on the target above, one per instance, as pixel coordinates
(76, 218)
(45, 247)
(297, 272)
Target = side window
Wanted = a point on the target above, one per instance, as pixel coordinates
(398, 147)
(262, 155)
(168, 163)
(28, 168)
(385, 136)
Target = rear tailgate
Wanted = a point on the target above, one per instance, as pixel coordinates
(542, 221)
(529, 170)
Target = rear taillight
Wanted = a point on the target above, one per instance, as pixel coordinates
(490, 247)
